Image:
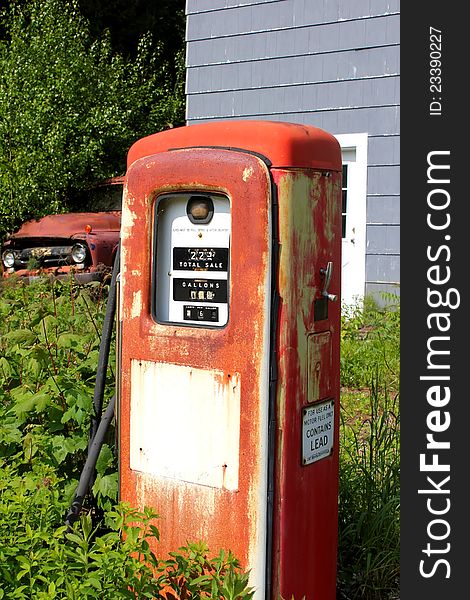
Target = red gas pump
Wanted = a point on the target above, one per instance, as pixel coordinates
(229, 345)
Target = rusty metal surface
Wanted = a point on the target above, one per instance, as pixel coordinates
(320, 365)
(304, 544)
(305, 509)
(222, 516)
(204, 447)
(69, 225)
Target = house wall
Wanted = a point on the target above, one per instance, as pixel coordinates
(333, 64)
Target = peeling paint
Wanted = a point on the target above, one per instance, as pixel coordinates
(247, 173)
(189, 432)
(319, 371)
(136, 308)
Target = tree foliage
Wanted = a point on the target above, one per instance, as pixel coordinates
(127, 20)
(70, 106)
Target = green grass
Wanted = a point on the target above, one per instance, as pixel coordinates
(369, 498)
(370, 342)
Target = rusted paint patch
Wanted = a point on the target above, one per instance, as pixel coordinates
(332, 191)
(319, 369)
(67, 225)
(44, 246)
(229, 518)
(128, 219)
(308, 230)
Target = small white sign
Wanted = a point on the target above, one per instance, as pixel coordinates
(317, 431)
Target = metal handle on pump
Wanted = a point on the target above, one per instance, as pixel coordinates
(327, 273)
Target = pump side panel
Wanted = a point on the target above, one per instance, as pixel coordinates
(194, 400)
(306, 474)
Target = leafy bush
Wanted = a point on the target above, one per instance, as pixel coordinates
(369, 500)
(38, 561)
(49, 342)
(32, 503)
(189, 573)
(49, 345)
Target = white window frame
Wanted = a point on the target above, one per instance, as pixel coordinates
(357, 197)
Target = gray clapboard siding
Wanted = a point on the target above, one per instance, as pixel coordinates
(383, 239)
(245, 17)
(331, 63)
(317, 39)
(304, 98)
(296, 71)
(198, 6)
(377, 265)
(384, 150)
(383, 210)
(383, 180)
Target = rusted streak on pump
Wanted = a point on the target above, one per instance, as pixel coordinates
(309, 234)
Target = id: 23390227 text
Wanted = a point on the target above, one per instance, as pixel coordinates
(435, 72)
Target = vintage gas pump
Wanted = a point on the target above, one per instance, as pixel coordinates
(229, 345)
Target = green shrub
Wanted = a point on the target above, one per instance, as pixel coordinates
(49, 343)
(189, 573)
(70, 106)
(43, 562)
(369, 486)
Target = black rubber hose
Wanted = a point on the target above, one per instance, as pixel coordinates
(103, 357)
(99, 425)
(90, 463)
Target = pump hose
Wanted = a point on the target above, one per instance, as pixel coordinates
(99, 423)
(90, 463)
(104, 349)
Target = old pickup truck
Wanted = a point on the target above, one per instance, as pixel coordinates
(82, 243)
